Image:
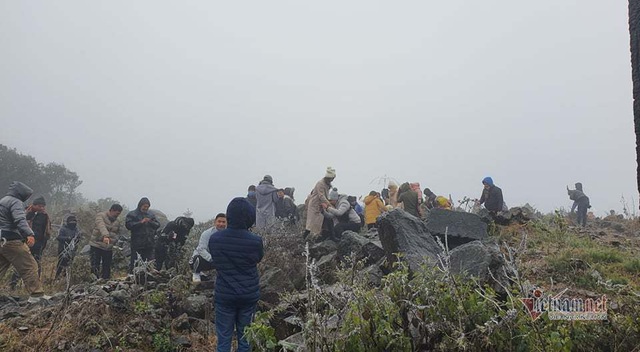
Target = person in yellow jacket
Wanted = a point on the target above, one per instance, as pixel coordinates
(373, 207)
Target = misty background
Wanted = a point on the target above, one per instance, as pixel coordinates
(189, 103)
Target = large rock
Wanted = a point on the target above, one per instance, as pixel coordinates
(368, 249)
(373, 274)
(197, 306)
(274, 282)
(327, 266)
(460, 227)
(477, 259)
(401, 232)
(523, 214)
(319, 250)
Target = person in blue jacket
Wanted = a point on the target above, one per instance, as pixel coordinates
(235, 253)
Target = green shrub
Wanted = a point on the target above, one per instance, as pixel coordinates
(632, 266)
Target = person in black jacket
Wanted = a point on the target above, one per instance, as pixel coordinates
(251, 195)
(580, 201)
(235, 253)
(171, 240)
(143, 225)
(429, 199)
(491, 196)
(68, 238)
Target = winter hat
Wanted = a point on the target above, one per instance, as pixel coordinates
(72, 219)
(331, 172)
(333, 194)
(39, 201)
(268, 178)
(488, 180)
(579, 186)
(393, 185)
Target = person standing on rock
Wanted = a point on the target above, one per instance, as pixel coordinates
(143, 225)
(580, 201)
(68, 238)
(373, 207)
(14, 232)
(235, 253)
(266, 199)
(343, 215)
(429, 199)
(316, 202)
(409, 200)
(201, 258)
(491, 196)
(105, 235)
(40, 223)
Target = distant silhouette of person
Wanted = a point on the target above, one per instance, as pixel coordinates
(580, 201)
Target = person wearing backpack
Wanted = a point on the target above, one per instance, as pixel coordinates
(580, 201)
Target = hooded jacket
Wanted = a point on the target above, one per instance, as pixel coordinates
(142, 235)
(13, 219)
(69, 232)
(235, 253)
(266, 199)
(492, 197)
(373, 207)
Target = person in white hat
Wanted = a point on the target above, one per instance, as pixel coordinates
(317, 202)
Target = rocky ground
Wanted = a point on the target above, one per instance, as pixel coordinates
(165, 311)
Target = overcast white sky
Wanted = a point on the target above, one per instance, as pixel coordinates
(188, 103)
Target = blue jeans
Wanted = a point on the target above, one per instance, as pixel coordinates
(228, 317)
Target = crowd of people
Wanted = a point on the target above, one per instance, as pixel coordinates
(229, 246)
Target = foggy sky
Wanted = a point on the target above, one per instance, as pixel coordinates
(188, 103)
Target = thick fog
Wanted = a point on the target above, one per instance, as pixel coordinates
(188, 103)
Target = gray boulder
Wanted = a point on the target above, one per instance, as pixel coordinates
(369, 249)
(373, 274)
(401, 232)
(460, 227)
(477, 259)
(318, 250)
(274, 282)
(181, 323)
(197, 305)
